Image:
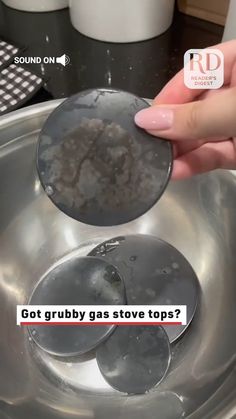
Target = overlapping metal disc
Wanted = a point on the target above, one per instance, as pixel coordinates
(154, 272)
(134, 358)
(79, 281)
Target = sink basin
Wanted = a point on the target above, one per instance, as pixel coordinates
(197, 216)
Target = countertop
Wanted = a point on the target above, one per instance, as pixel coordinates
(142, 68)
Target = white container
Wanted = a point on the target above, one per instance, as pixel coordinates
(230, 25)
(121, 20)
(36, 5)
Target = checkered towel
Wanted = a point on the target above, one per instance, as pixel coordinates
(17, 85)
(7, 53)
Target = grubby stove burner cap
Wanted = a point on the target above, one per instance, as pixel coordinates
(80, 281)
(134, 358)
(96, 165)
(154, 272)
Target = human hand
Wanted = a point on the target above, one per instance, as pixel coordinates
(201, 123)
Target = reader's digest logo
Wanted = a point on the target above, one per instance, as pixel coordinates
(204, 68)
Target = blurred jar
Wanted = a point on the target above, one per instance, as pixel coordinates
(36, 5)
(121, 20)
(230, 25)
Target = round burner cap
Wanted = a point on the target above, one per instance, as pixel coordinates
(134, 358)
(96, 165)
(79, 281)
(154, 272)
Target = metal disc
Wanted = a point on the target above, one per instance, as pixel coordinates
(96, 165)
(154, 273)
(81, 281)
(134, 358)
(156, 405)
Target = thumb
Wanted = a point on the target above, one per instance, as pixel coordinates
(212, 117)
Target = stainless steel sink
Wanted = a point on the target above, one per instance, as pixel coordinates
(197, 216)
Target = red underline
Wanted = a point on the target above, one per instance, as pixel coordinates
(100, 324)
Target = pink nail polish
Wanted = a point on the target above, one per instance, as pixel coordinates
(154, 118)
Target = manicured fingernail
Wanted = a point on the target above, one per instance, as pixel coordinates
(154, 118)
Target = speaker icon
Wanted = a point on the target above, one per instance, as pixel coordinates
(64, 60)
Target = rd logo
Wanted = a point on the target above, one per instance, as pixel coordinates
(203, 68)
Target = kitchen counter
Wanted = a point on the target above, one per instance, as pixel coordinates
(142, 68)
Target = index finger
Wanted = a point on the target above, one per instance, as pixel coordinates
(175, 91)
